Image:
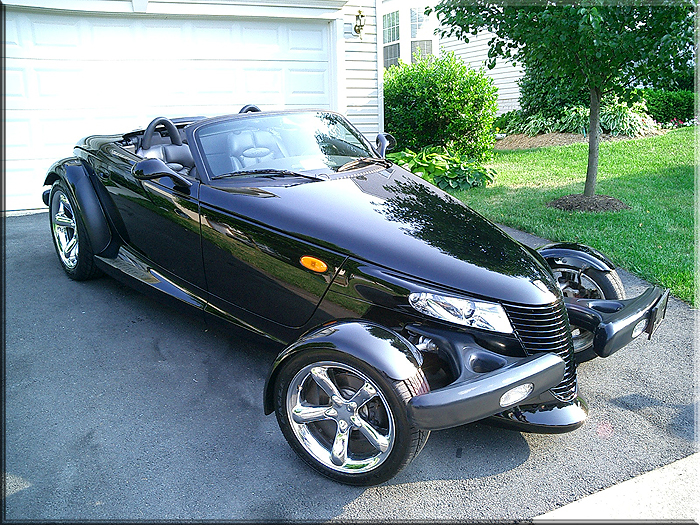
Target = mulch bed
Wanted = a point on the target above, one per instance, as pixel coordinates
(522, 141)
(596, 203)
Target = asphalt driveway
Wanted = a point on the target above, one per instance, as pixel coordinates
(120, 408)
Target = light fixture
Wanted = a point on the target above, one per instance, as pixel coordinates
(515, 395)
(359, 23)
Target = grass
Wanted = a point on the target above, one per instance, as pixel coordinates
(654, 176)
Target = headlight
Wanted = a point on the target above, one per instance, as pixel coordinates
(466, 312)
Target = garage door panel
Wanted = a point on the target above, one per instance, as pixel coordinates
(11, 36)
(15, 84)
(104, 36)
(56, 34)
(304, 40)
(263, 81)
(307, 86)
(18, 138)
(21, 187)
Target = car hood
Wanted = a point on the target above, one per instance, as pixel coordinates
(394, 219)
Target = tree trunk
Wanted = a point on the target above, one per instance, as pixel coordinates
(593, 143)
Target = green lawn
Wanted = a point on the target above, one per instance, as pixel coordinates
(654, 176)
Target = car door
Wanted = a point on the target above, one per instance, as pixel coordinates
(160, 219)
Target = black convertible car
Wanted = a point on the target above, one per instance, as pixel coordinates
(399, 309)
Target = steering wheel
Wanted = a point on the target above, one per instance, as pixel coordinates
(150, 132)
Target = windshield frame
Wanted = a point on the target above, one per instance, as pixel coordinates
(193, 136)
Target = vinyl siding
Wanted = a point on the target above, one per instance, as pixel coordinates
(360, 69)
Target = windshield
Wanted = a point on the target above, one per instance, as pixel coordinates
(311, 142)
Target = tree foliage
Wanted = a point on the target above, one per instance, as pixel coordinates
(603, 46)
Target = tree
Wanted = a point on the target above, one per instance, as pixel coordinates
(602, 45)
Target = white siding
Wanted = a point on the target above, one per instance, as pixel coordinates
(360, 71)
(505, 74)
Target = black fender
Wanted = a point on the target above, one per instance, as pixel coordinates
(575, 256)
(77, 181)
(383, 349)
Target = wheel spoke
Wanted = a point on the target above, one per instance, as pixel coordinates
(320, 375)
(60, 219)
(378, 441)
(364, 394)
(71, 246)
(303, 414)
(339, 452)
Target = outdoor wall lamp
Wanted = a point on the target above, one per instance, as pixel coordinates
(359, 23)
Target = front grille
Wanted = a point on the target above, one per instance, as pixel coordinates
(546, 329)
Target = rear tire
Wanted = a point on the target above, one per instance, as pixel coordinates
(593, 284)
(69, 236)
(345, 419)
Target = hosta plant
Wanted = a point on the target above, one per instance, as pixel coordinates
(444, 168)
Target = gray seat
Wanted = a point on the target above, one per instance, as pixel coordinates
(248, 148)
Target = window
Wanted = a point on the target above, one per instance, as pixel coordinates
(422, 48)
(419, 47)
(391, 55)
(391, 39)
(417, 19)
(391, 27)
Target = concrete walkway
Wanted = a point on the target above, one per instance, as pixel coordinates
(667, 493)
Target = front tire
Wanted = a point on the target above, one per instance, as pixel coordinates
(345, 419)
(69, 236)
(590, 284)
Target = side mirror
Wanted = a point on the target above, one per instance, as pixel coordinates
(385, 142)
(148, 169)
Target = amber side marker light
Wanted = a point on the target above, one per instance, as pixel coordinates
(313, 264)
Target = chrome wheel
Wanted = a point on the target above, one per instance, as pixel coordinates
(65, 230)
(573, 284)
(340, 417)
(587, 284)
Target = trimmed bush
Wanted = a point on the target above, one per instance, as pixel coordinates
(665, 106)
(440, 101)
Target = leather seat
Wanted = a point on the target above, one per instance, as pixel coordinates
(248, 148)
(177, 157)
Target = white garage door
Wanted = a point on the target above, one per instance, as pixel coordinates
(69, 76)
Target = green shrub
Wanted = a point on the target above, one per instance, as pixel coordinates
(505, 121)
(539, 123)
(576, 119)
(440, 101)
(618, 118)
(548, 96)
(665, 106)
(444, 168)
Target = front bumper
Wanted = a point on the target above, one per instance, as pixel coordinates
(484, 378)
(616, 323)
